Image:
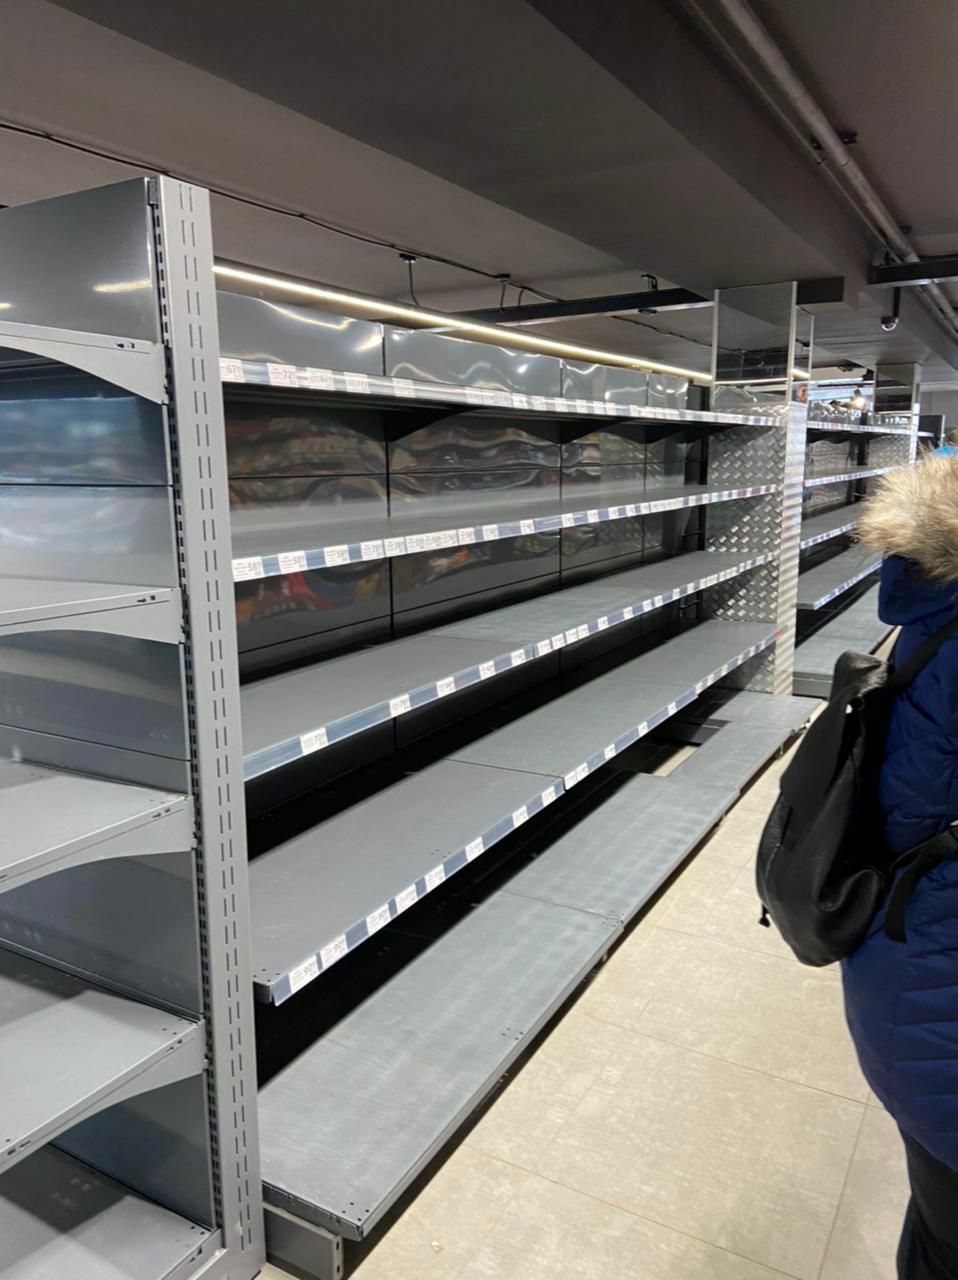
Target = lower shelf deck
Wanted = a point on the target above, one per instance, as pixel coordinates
(858, 627)
(61, 1220)
(401, 1072)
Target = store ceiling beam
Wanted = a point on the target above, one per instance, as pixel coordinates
(924, 271)
(810, 293)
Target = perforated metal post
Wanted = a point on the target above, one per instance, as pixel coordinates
(184, 264)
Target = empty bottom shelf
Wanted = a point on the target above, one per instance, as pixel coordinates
(348, 1125)
(60, 1220)
(858, 627)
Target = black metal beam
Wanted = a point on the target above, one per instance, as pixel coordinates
(927, 271)
(810, 292)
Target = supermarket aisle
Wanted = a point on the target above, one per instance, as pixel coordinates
(697, 1115)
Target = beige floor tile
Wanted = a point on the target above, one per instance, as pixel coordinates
(531, 1110)
(273, 1273)
(445, 1225)
(735, 840)
(868, 1225)
(763, 1012)
(552, 1233)
(746, 1161)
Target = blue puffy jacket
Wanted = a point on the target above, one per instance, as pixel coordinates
(902, 998)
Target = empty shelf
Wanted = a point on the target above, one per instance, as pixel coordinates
(257, 554)
(832, 524)
(69, 1050)
(61, 1220)
(858, 428)
(813, 478)
(291, 715)
(400, 1073)
(816, 587)
(149, 613)
(857, 627)
(53, 820)
(321, 895)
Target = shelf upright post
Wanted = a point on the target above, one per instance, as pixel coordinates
(188, 313)
(761, 361)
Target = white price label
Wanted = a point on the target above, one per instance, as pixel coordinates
(549, 796)
(520, 816)
(643, 728)
(474, 396)
(527, 526)
(232, 370)
(404, 387)
(432, 541)
(672, 708)
(592, 517)
(372, 550)
(517, 657)
(568, 520)
(302, 974)
(582, 406)
(250, 567)
(337, 555)
(399, 706)
(561, 406)
(358, 383)
(378, 920)
(583, 631)
(448, 538)
(333, 951)
(659, 602)
(486, 670)
(434, 878)
(292, 561)
(446, 686)
(570, 780)
(543, 647)
(465, 536)
(395, 546)
(415, 543)
(282, 375)
(582, 772)
(318, 379)
(632, 509)
(616, 513)
(474, 848)
(490, 532)
(603, 623)
(540, 403)
(314, 741)
(558, 642)
(572, 635)
(408, 898)
(609, 752)
(502, 399)
(519, 400)
(628, 612)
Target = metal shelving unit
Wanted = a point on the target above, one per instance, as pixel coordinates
(122, 943)
(856, 627)
(818, 586)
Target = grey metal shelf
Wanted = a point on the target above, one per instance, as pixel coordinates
(827, 581)
(858, 627)
(400, 1073)
(68, 1050)
(321, 895)
(832, 524)
(62, 1220)
(289, 716)
(298, 377)
(149, 613)
(270, 550)
(52, 820)
(815, 478)
(858, 428)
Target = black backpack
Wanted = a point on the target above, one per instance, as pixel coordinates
(824, 870)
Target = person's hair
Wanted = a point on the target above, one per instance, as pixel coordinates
(951, 435)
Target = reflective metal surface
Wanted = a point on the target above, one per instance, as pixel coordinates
(265, 439)
(618, 446)
(104, 689)
(61, 427)
(112, 534)
(280, 514)
(603, 382)
(461, 443)
(82, 262)
(459, 572)
(257, 329)
(436, 357)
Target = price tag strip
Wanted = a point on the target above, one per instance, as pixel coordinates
(835, 532)
(318, 737)
(840, 590)
(332, 951)
(812, 482)
(298, 561)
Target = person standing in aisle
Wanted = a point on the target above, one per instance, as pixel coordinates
(902, 998)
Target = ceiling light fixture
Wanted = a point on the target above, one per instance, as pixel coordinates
(435, 319)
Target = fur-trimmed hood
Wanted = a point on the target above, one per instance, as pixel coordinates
(914, 514)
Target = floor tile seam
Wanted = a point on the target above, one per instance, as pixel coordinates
(510, 1200)
(806, 970)
(640, 1217)
(841, 1197)
(728, 1062)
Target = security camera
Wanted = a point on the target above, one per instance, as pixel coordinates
(889, 323)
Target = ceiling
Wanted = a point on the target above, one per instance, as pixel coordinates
(572, 146)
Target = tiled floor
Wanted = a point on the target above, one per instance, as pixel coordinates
(697, 1115)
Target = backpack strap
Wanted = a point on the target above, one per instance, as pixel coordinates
(902, 676)
(917, 862)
